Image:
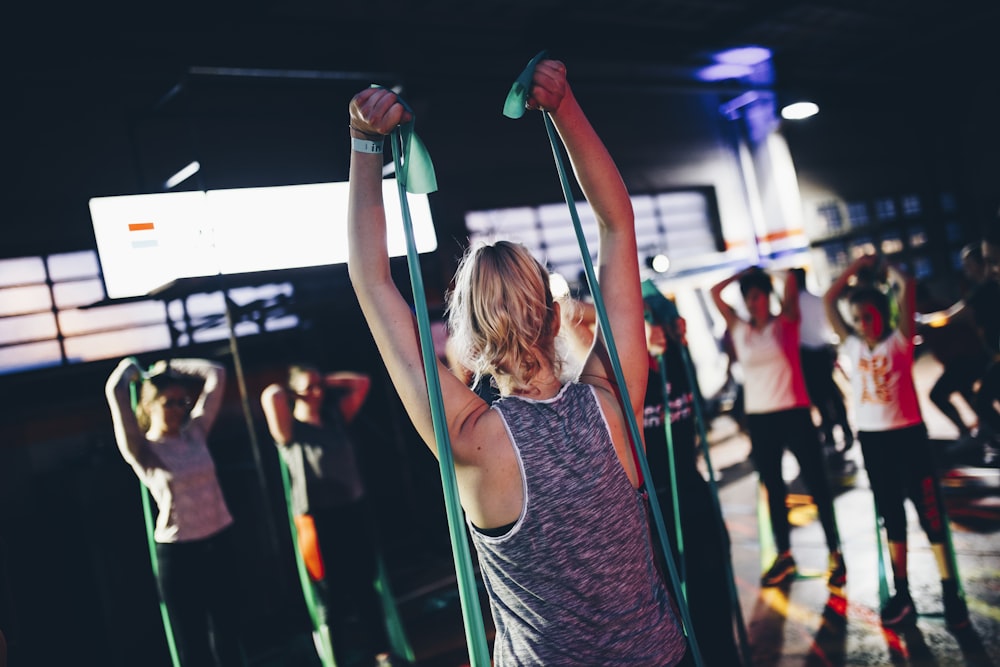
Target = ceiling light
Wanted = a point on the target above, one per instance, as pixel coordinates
(187, 172)
(799, 110)
(723, 71)
(744, 55)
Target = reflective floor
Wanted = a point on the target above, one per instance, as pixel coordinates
(801, 623)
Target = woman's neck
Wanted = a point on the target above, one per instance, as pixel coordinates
(540, 387)
(160, 431)
(309, 414)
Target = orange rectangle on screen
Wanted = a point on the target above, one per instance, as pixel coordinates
(139, 226)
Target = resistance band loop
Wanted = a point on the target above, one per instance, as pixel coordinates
(883, 584)
(699, 417)
(515, 103)
(147, 514)
(317, 612)
(672, 467)
(412, 165)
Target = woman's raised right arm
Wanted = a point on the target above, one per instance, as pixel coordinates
(375, 112)
(128, 435)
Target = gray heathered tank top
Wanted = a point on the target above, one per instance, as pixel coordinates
(574, 582)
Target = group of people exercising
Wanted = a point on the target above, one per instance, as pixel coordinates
(547, 472)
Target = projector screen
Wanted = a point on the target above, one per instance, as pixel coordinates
(146, 241)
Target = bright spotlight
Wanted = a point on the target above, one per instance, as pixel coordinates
(660, 263)
(799, 110)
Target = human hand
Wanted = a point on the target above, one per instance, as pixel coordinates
(549, 86)
(656, 339)
(158, 368)
(377, 111)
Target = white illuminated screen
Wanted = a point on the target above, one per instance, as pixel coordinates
(146, 241)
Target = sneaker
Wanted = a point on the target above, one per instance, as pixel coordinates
(783, 568)
(899, 610)
(956, 613)
(838, 571)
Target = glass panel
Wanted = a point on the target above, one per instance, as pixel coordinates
(830, 213)
(24, 300)
(67, 266)
(885, 209)
(121, 343)
(858, 213)
(281, 322)
(27, 328)
(29, 356)
(911, 206)
(78, 293)
(140, 313)
(21, 271)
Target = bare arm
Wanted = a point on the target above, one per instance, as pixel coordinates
(355, 387)
(618, 265)
(128, 435)
(275, 402)
(377, 111)
(728, 312)
(836, 290)
(906, 299)
(578, 320)
(207, 405)
(790, 299)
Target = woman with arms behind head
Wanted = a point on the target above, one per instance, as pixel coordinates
(165, 442)
(891, 429)
(777, 409)
(546, 476)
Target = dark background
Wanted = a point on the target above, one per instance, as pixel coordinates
(112, 98)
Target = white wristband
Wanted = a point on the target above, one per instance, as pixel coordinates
(365, 146)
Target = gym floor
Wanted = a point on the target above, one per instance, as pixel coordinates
(802, 624)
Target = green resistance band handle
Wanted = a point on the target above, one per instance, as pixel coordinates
(317, 612)
(519, 91)
(147, 515)
(405, 147)
(699, 417)
(672, 467)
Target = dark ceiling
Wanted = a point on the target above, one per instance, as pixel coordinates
(73, 67)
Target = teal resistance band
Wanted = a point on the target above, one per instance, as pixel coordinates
(514, 108)
(414, 173)
(147, 514)
(883, 584)
(674, 495)
(316, 609)
(398, 638)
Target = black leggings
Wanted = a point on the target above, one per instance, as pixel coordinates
(900, 466)
(198, 585)
(770, 434)
(348, 545)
